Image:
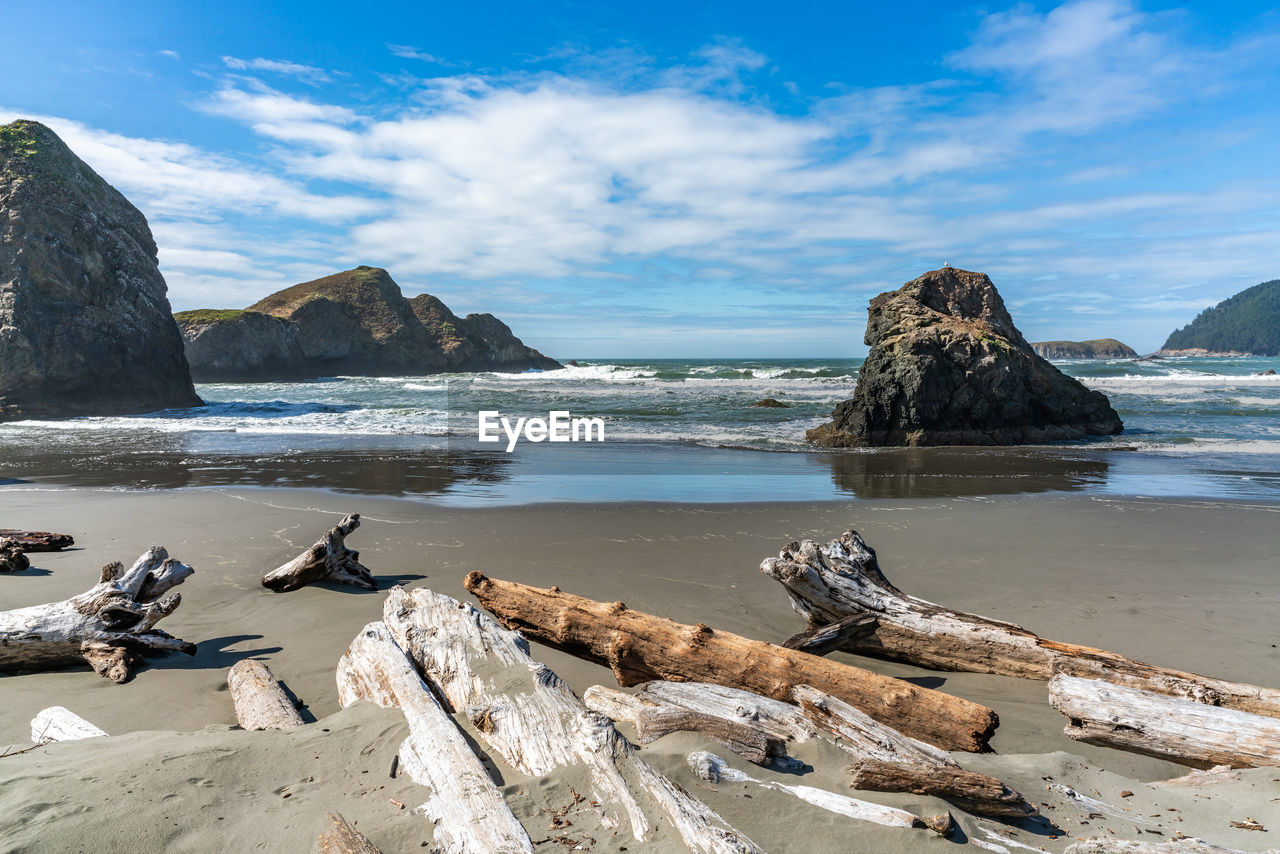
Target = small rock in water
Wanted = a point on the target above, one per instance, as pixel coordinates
(1269, 372)
(770, 403)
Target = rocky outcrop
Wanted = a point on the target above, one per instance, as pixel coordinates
(1097, 348)
(85, 324)
(356, 323)
(948, 367)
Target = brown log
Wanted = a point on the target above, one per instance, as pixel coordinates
(343, 838)
(968, 790)
(751, 743)
(259, 700)
(832, 582)
(38, 541)
(638, 647)
(888, 761)
(12, 558)
(328, 559)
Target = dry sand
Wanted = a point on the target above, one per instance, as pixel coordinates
(1191, 584)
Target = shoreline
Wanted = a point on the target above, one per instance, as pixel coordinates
(1181, 583)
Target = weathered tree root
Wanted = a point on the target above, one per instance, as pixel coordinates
(834, 582)
(328, 559)
(111, 626)
(12, 557)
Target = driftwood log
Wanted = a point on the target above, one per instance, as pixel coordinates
(328, 559)
(714, 770)
(468, 811)
(110, 626)
(12, 557)
(639, 647)
(1162, 726)
(779, 719)
(528, 716)
(1199, 777)
(884, 760)
(820, 640)
(37, 541)
(654, 720)
(842, 579)
(259, 700)
(60, 724)
(343, 838)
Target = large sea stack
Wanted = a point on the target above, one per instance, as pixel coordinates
(356, 322)
(948, 367)
(85, 324)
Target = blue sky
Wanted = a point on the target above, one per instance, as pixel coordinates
(683, 179)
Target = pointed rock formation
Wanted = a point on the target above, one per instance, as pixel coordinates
(948, 367)
(356, 322)
(85, 324)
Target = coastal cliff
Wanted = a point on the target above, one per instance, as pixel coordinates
(85, 324)
(1097, 348)
(356, 322)
(1247, 324)
(948, 367)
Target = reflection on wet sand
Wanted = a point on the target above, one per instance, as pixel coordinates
(941, 472)
(363, 472)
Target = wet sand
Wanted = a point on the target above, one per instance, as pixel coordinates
(1184, 583)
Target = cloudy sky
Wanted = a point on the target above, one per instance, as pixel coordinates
(683, 179)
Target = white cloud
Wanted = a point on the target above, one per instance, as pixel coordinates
(307, 73)
(404, 51)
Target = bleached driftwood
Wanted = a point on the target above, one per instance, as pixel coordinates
(715, 770)
(1093, 806)
(842, 579)
(343, 838)
(1200, 777)
(12, 557)
(1166, 727)
(259, 700)
(110, 626)
(820, 640)
(775, 717)
(37, 541)
(639, 647)
(60, 724)
(654, 720)
(529, 717)
(328, 559)
(1111, 845)
(885, 760)
(466, 807)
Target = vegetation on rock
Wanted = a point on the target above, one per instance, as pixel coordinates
(1096, 348)
(1248, 323)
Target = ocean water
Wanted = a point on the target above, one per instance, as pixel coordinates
(1193, 426)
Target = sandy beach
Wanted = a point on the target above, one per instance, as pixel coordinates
(1182, 583)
